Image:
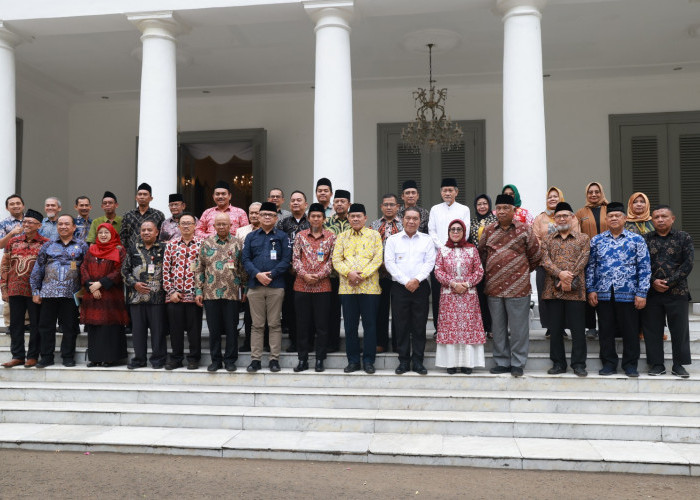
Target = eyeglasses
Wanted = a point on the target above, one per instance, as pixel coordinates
(187, 223)
(388, 205)
(562, 216)
(267, 215)
(456, 230)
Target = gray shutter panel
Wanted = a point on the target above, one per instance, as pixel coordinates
(645, 167)
(689, 156)
(455, 163)
(408, 168)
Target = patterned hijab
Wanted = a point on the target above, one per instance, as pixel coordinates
(109, 250)
(461, 243)
(516, 194)
(631, 216)
(603, 199)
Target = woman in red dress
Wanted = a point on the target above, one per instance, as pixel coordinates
(460, 331)
(103, 310)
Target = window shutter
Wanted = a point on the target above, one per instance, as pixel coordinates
(645, 167)
(408, 168)
(454, 163)
(689, 155)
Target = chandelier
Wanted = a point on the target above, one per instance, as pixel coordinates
(432, 128)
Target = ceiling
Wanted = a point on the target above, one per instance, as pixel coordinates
(270, 48)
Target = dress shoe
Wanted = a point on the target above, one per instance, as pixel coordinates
(274, 366)
(13, 362)
(173, 365)
(465, 370)
(657, 370)
(254, 366)
(30, 362)
(44, 363)
(420, 369)
(369, 368)
(591, 334)
(133, 365)
(214, 366)
(158, 366)
(380, 349)
(631, 371)
(516, 371)
(352, 367)
(69, 363)
(292, 348)
(679, 371)
(580, 371)
(401, 369)
(607, 370)
(451, 371)
(497, 370)
(556, 370)
(302, 366)
(93, 364)
(319, 366)
(231, 367)
(192, 365)
(547, 334)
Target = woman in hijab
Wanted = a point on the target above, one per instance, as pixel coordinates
(639, 214)
(460, 332)
(103, 310)
(521, 214)
(484, 216)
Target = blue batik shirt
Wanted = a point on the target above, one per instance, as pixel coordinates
(618, 264)
(56, 273)
(49, 229)
(82, 227)
(8, 224)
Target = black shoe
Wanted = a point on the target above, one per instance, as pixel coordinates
(192, 365)
(127, 330)
(591, 334)
(302, 366)
(93, 364)
(319, 366)
(274, 366)
(657, 370)
(292, 348)
(44, 363)
(173, 365)
(352, 367)
(516, 371)
(631, 371)
(254, 366)
(244, 348)
(69, 363)
(158, 366)
(420, 369)
(133, 366)
(401, 369)
(214, 366)
(451, 371)
(497, 370)
(579, 371)
(231, 367)
(679, 371)
(547, 334)
(369, 368)
(465, 370)
(607, 370)
(556, 370)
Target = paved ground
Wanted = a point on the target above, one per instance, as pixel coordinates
(106, 475)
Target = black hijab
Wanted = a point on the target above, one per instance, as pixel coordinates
(478, 216)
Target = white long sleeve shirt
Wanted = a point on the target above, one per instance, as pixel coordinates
(407, 257)
(440, 217)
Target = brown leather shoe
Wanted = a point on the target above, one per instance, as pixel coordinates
(13, 362)
(30, 362)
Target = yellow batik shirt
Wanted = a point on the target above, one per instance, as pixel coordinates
(359, 251)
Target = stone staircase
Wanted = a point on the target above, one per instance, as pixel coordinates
(646, 425)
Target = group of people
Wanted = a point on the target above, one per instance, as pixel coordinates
(300, 267)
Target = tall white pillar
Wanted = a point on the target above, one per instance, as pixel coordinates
(333, 145)
(157, 151)
(524, 139)
(8, 126)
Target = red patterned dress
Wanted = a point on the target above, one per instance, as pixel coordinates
(460, 331)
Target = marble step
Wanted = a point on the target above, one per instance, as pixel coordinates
(664, 428)
(650, 404)
(646, 457)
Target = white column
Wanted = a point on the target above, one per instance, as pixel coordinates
(524, 139)
(333, 145)
(157, 152)
(8, 126)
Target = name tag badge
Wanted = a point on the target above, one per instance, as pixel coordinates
(73, 265)
(151, 269)
(273, 254)
(230, 265)
(319, 256)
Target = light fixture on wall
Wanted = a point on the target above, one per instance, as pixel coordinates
(432, 128)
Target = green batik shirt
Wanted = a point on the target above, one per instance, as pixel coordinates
(219, 271)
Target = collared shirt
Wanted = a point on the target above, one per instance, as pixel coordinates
(386, 228)
(328, 211)
(8, 224)
(170, 229)
(130, 233)
(620, 264)
(671, 260)
(282, 213)
(56, 272)
(408, 257)
(424, 217)
(82, 227)
(509, 255)
(565, 254)
(17, 264)
(359, 251)
(116, 223)
(205, 226)
(144, 265)
(258, 252)
(336, 225)
(312, 255)
(179, 264)
(244, 231)
(220, 274)
(440, 217)
(292, 226)
(49, 229)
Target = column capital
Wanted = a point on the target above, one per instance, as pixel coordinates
(509, 8)
(158, 24)
(8, 38)
(326, 13)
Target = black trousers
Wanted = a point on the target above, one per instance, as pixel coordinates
(484, 305)
(618, 316)
(289, 316)
(19, 306)
(62, 310)
(675, 310)
(143, 318)
(334, 317)
(563, 314)
(222, 319)
(383, 316)
(312, 316)
(185, 316)
(435, 287)
(542, 305)
(409, 312)
(590, 316)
